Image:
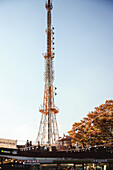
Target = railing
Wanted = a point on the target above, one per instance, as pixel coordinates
(102, 148)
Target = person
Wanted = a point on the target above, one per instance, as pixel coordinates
(27, 144)
(71, 146)
(38, 145)
(77, 147)
(48, 148)
(45, 147)
(83, 146)
(30, 145)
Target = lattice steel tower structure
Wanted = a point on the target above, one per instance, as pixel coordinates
(48, 130)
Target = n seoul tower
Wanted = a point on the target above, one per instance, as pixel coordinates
(48, 129)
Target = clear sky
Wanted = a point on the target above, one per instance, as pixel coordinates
(83, 62)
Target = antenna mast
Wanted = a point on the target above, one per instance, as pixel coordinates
(48, 130)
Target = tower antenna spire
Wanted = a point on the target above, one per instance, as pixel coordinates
(48, 2)
(48, 130)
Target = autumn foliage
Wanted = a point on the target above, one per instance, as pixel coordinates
(96, 128)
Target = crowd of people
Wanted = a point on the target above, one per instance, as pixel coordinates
(70, 148)
(29, 146)
(90, 148)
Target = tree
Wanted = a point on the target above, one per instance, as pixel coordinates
(96, 128)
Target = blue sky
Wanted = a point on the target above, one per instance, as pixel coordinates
(83, 62)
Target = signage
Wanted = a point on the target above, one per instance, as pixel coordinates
(7, 143)
(8, 151)
(31, 162)
(99, 160)
(4, 151)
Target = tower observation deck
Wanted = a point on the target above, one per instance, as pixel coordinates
(48, 129)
